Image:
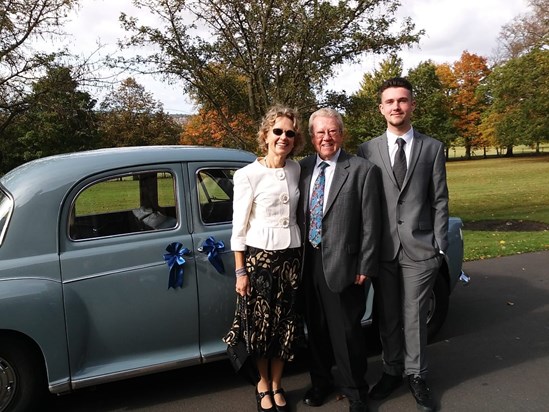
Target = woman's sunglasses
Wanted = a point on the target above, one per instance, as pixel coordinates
(289, 133)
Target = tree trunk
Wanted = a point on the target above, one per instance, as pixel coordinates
(509, 152)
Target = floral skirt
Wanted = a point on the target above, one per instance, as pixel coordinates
(272, 322)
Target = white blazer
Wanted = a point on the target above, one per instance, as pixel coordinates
(264, 207)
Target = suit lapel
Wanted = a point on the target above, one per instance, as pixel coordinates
(340, 176)
(306, 175)
(414, 157)
(383, 148)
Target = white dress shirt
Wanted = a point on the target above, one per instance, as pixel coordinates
(329, 176)
(264, 207)
(393, 147)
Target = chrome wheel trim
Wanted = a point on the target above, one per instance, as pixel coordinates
(8, 383)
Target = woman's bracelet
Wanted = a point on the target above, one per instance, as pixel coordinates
(240, 272)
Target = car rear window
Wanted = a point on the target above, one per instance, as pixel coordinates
(136, 202)
(6, 206)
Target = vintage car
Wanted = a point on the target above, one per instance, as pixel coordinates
(116, 263)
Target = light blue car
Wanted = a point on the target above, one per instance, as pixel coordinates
(116, 263)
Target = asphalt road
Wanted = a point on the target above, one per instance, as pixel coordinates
(492, 354)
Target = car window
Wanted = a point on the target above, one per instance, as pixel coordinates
(215, 194)
(6, 206)
(130, 203)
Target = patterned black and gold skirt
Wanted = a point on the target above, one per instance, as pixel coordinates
(274, 323)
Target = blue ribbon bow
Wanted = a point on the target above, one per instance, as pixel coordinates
(175, 260)
(211, 247)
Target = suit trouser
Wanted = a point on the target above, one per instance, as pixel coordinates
(334, 332)
(401, 294)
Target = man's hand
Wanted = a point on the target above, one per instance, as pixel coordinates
(360, 279)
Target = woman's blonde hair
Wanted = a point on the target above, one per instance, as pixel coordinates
(270, 119)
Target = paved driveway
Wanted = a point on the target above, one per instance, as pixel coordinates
(491, 355)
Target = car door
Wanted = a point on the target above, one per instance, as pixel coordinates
(212, 196)
(122, 316)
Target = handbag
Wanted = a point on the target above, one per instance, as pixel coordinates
(240, 355)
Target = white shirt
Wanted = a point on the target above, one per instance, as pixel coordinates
(328, 173)
(264, 207)
(393, 146)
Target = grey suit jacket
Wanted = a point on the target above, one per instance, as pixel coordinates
(351, 221)
(415, 217)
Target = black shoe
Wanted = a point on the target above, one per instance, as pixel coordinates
(422, 393)
(315, 396)
(358, 406)
(280, 408)
(259, 396)
(386, 385)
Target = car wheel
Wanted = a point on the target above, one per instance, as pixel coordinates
(22, 378)
(438, 307)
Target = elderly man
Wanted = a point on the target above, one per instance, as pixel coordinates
(339, 215)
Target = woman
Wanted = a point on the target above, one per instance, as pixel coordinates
(267, 251)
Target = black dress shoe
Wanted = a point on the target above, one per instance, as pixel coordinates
(280, 408)
(259, 396)
(422, 393)
(386, 385)
(358, 406)
(315, 396)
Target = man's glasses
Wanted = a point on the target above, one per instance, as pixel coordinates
(289, 133)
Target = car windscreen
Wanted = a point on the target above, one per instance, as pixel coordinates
(6, 206)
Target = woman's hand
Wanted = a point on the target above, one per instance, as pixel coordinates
(243, 285)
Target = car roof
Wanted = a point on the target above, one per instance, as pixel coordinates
(54, 170)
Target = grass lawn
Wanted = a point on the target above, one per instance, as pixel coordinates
(511, 191)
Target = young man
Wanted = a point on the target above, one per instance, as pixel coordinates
(414, 237)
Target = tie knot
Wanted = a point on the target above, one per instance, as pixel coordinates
(400, 142)
(323, 165)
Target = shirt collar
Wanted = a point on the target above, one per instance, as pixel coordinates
(408, 136)
(331, 162)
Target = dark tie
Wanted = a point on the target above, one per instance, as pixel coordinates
(316, 207)
(399, 165)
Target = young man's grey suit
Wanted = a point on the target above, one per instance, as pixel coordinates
(413, 235)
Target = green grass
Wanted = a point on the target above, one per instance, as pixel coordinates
(500, 189)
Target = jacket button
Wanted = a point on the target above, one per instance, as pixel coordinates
(400, 222)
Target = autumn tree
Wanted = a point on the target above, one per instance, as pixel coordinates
(207, 129)
(461, 81)
(130, 116)
(276, 48)
(21, 23)
(432, 115)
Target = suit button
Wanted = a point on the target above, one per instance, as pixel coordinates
(400, 222)
(400, 202)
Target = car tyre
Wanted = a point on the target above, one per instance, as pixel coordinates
(22, 377)
(438, 307)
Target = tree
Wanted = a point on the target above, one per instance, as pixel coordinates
(525, 32)
(130, 116)
(462, 81)
(363, 120)
(432, 115)
(21, 22)
(275, 48)
(60, 119)
(520, 93)
(208, 129)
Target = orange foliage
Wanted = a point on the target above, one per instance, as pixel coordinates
(209, 128)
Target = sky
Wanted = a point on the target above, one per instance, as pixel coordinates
(451, 27)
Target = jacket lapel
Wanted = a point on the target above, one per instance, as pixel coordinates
(340, 176)
(306, 175)
(384, 154)
(414, 156)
